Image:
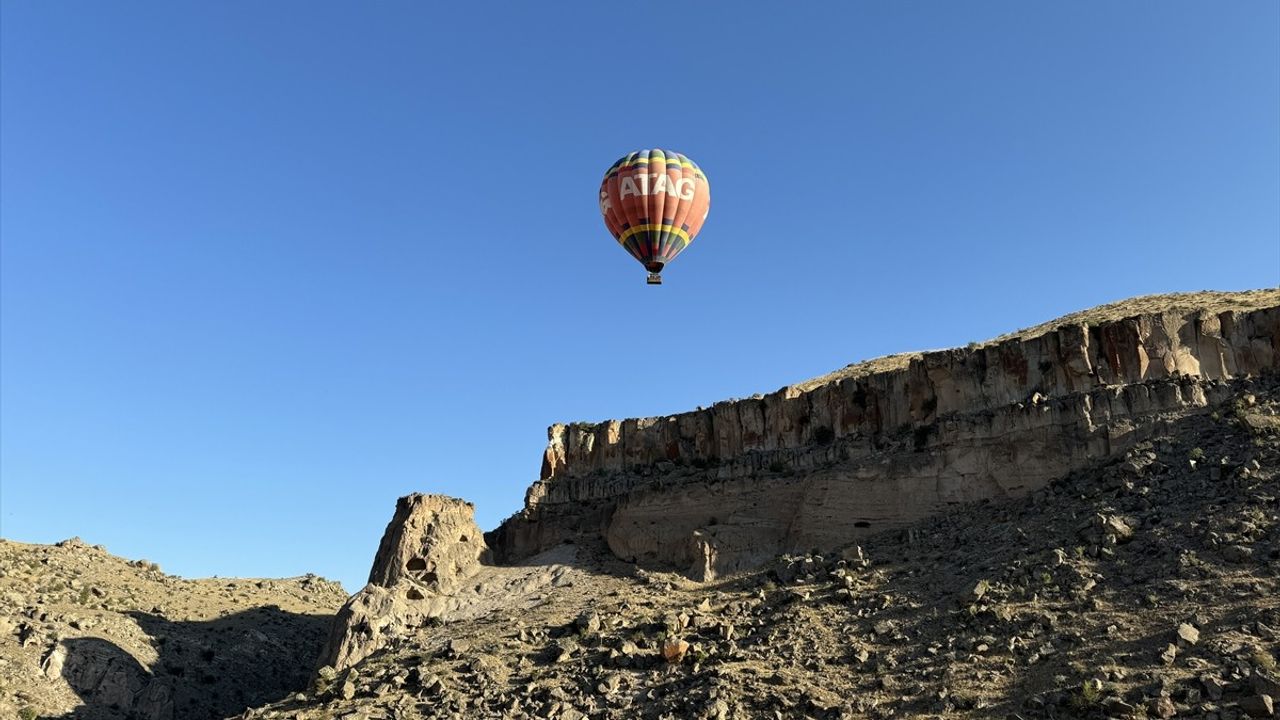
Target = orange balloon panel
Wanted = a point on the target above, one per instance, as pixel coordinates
(654, 203)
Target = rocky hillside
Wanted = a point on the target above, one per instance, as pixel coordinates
(91, 636)
(1080, 520)
(1145, 585)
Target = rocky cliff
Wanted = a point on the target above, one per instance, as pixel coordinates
(1144, 586)
(882, 444)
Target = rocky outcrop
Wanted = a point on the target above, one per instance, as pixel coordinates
(430, 548)
(431, 545)
(821, 464)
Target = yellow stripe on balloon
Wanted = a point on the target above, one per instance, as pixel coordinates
(636, 229)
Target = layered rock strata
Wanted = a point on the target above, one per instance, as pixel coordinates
(821, 464)
(429, 549)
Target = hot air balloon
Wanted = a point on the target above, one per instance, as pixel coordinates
(654, 202)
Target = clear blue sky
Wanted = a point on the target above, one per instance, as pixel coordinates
(268, 266)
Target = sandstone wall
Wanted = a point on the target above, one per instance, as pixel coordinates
(723, 488)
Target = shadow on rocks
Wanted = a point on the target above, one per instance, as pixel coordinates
(204, 669)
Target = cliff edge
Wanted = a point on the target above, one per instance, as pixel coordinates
(884, 443)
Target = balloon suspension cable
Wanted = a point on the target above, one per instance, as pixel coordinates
(654, 279)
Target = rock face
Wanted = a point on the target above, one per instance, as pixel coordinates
(430, 548)
(822, 464)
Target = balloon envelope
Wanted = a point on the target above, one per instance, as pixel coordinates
(654, 202)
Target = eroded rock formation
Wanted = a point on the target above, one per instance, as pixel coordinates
(431, 545)
(430, 548)
(823, 463)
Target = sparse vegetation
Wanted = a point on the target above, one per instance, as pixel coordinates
(1088, 697)
(1263, 659)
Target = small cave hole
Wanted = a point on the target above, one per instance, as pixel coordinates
(862, 524)
(413, 594)
(920, 436)
(430, 577)
(464, 538)
(824, 435)
(416, 564)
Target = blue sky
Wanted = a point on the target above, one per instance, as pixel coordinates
(264, 267)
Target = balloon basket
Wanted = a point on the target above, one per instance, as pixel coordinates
(654, 279)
